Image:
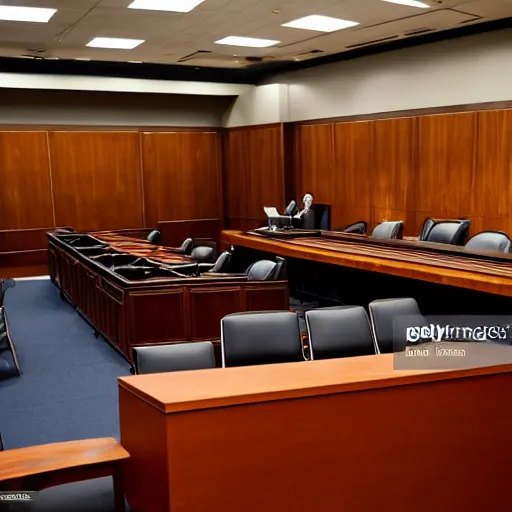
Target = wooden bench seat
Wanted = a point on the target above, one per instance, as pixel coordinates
(37, 467)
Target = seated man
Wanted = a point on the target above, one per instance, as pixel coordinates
(307, 215)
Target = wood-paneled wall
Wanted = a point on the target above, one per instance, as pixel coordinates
(105, 179)
(253, 174)
(443, 165)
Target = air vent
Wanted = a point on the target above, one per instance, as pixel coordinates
(192, 55)
(418, 31)
(375, 41)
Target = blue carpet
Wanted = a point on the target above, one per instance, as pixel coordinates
(68, 386)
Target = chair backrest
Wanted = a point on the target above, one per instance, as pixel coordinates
(490, 241)
(280, 269)
(155, 237)
(203, 254)
(260, 338)
(428, 224)
(389, 319)
(339, 332)
(453, 232)
(5, 284)
(172, 358)
(222, 263)
(388, 230)
(187, 246)
(262, 270)
(360, 227)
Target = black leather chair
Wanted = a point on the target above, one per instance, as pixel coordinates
(155, 237)
(203, 254)
(187, 246)
(339, 332)
(221, 266)
(6, 342)
(452, 232)
(388, 230)
(496, 241)
(173, 358)
(280, 272)
(359, 227)
(390, 318)
(428, 224)
(262, 270)
(260, 338)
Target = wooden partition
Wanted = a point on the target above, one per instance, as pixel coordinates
(254, 174)
(100, 179)
(442, 165)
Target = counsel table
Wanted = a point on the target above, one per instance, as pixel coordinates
(436, 263)
(349, 435)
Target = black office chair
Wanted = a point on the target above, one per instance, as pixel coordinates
(390, 319)
(339, 332)
(173, 358)
(187, 246)
(155, 237)
(428, 224)
(262, 270)
(6, 342)
(496, 241)
(388, 230)
(452, 232)
(359, 227)
(221, 266)
(264, 337)
(203, 254)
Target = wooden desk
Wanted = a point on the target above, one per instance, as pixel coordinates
(454, 266)
(151, 311)
(349, 435)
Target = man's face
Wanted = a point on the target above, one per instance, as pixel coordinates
(308, 200)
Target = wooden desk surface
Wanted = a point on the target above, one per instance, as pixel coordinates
(205, 389)
(450, 267)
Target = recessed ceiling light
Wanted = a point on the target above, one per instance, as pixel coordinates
(410, 3)
(33, 14)
(82, 58)
(165, 5)
(247, 41)
(115, 42)
(134, 62)
(320, 23)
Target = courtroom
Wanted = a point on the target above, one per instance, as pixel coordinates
(255, 256)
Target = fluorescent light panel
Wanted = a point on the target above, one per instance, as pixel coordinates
(320, 23)
(247, 41)
(32, 14)
(115, 43)
(410, 3)
(166, 5)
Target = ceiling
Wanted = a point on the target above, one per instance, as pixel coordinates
(188, 39)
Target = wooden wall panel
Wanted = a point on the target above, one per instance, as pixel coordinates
(445, 164)
(97, 179)
(492, 186)
(395, 171)
(315, 162)
(350, 188)
(26, 199)
(182, 176)
(254, 173)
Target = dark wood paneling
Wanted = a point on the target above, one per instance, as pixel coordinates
(26, 199)
(492, 186)
(351, 195)
(24, 239)
(176, 231)
(445, 164)
(254, 171)
(97, 179)
(182, 176)
(395, 168)
(315, 163)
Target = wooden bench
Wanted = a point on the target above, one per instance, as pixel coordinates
(38, 467)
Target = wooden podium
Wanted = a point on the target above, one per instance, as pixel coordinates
(351, 435)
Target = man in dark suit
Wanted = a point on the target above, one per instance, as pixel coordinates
(307, 215)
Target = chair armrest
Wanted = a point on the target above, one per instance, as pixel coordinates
(205, 267)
